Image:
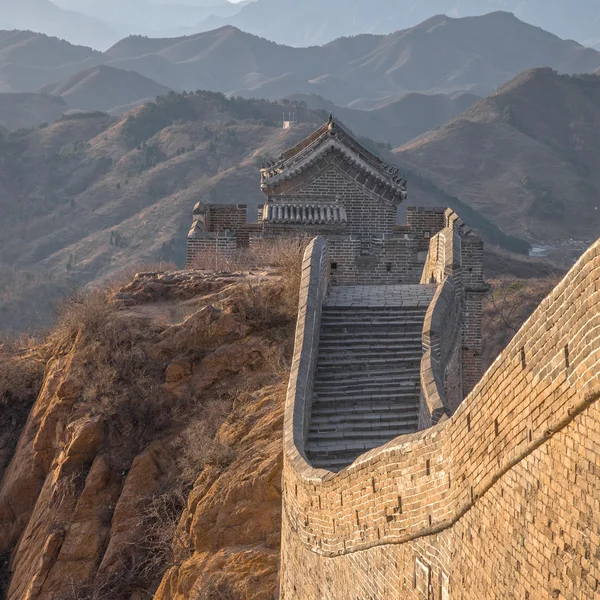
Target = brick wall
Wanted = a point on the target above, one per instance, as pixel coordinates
(499, 502)
(441, 367)
(334, 179)
(457, 252)
(219, 217)
(203, 246)
(373, 260)
(424, 223)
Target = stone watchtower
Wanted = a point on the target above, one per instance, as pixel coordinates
(330, 185)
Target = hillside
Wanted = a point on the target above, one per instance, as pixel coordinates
(29, 110)
(162, 399)
(150, 18)
(29, 60)
(92, 196)
(104, 88)
(441, 55)
(526, 157)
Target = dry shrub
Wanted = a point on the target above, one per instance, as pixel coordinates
(210, 260)
(121, 380)
(216, 587)
(284, 254)
(22, 363)
(82, 312)
(199, 446)
(21, 376)
(164, 543)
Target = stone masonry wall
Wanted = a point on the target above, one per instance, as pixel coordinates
(220, 217)
(383, 260)
(440, 374)
(204, 246)
(338, 180)
(425, 223)
(499, 502)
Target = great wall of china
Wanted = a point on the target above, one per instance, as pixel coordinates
(407, 475)
(499, 501)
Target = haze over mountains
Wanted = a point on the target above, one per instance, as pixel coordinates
(91, 195)
(440, 56)
(94, 192)
(100, 23)
(317, 22)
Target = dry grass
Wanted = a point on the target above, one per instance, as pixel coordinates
(285, 255)
(121, 379)
(216, 587)
(22, 363)
(198, 446)
(255, 304)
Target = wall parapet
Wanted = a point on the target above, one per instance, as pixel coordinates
(422, 484)
(313, 290)
(441, 341)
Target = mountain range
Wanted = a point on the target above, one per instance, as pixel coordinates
(316, 22)
(311, 22)
(441, 55)
(92, 195)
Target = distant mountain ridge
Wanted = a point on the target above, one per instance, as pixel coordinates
(441, 55)
(46, 17)
(314, 22)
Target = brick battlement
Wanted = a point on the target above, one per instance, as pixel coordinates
(499, 501)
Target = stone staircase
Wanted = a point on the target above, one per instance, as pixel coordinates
(367, 385)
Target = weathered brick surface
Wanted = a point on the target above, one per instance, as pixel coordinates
(425, 223)
(499, 502)
(213, 244)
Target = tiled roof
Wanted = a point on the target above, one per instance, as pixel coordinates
(331, 137)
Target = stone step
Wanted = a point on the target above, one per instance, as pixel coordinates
(407, 386)
(341, 425)
(370, 418)
(324, 446)
(376, 327)
(369, 337)
(364, 363)
(384, 336)
(362, 414)
(359, 317)
(366, 350)
(366, 409)
(334, 312)
(375, 375)
(391, 397)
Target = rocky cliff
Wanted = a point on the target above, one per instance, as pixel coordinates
(150, 461)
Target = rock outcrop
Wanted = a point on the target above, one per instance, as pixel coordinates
(154, 446)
